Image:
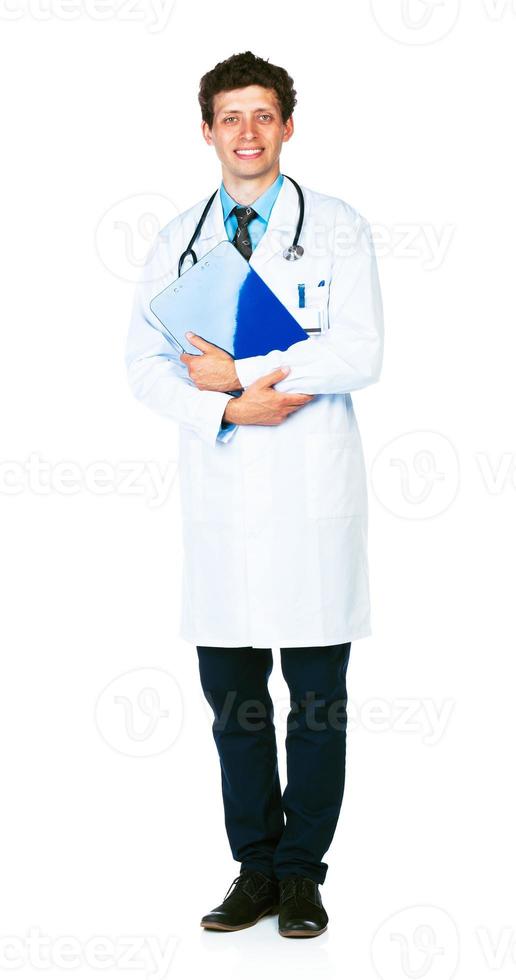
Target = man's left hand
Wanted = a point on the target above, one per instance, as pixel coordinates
(214, 371)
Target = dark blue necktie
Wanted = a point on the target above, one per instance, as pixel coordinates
(242, 239)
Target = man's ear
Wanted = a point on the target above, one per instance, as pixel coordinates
(206, 132)
(288, 128)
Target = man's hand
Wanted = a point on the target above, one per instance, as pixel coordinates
(213, 370)
(261, 404)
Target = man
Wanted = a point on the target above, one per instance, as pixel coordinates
(273, 490)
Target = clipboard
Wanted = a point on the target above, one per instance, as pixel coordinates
(223, 299)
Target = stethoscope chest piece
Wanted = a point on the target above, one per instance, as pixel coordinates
(293, 252)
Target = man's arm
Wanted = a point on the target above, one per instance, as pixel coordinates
(156, 375)
(350, 355)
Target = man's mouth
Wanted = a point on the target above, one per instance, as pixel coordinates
(249, 154)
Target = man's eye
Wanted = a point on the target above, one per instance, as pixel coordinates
(263, 115)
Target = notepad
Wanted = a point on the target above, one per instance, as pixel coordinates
(223, 299)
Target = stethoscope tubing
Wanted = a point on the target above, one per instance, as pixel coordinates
(292, 249)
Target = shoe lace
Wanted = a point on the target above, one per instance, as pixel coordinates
(238, 882)
(294, 887)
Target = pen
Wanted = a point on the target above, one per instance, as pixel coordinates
(301, 293)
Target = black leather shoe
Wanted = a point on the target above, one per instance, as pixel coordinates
(301, 911)
(253, 896)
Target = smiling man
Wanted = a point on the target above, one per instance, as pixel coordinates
(273, 491)
(247, 130)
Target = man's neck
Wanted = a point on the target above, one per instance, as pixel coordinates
(246, 191)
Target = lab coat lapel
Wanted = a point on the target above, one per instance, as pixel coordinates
(213, 230)
(280, 229)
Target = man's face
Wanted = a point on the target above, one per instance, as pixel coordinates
(247, 119)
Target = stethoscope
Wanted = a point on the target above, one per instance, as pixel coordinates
(291, 253)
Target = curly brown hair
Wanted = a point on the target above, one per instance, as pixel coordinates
(241, 70)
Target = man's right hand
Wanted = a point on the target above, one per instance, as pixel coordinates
(261, 404)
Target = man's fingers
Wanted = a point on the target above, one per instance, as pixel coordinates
(293, 399)
(298, 399)
(199, 342)
(268, 379)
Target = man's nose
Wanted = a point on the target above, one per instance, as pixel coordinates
(248, 130)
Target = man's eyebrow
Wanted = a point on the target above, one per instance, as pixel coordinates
(234, 111)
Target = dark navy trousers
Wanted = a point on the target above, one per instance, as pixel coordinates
(279, 834)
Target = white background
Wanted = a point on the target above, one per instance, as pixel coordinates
(112, 821)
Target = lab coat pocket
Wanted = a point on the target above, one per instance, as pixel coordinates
(313, 316)
(311, 320)
(317, 295)
(335, 484)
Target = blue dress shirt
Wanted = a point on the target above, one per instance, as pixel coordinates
(257, 227)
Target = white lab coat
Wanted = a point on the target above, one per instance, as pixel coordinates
(275, 518)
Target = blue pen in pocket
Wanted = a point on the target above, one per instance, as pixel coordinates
(301, 293)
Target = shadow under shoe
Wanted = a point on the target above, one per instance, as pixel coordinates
(253, 896)
(301, 911)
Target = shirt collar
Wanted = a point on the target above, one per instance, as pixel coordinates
(263, 204)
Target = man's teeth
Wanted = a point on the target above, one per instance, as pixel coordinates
(249, 152)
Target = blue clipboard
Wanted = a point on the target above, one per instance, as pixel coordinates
(222, 299)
